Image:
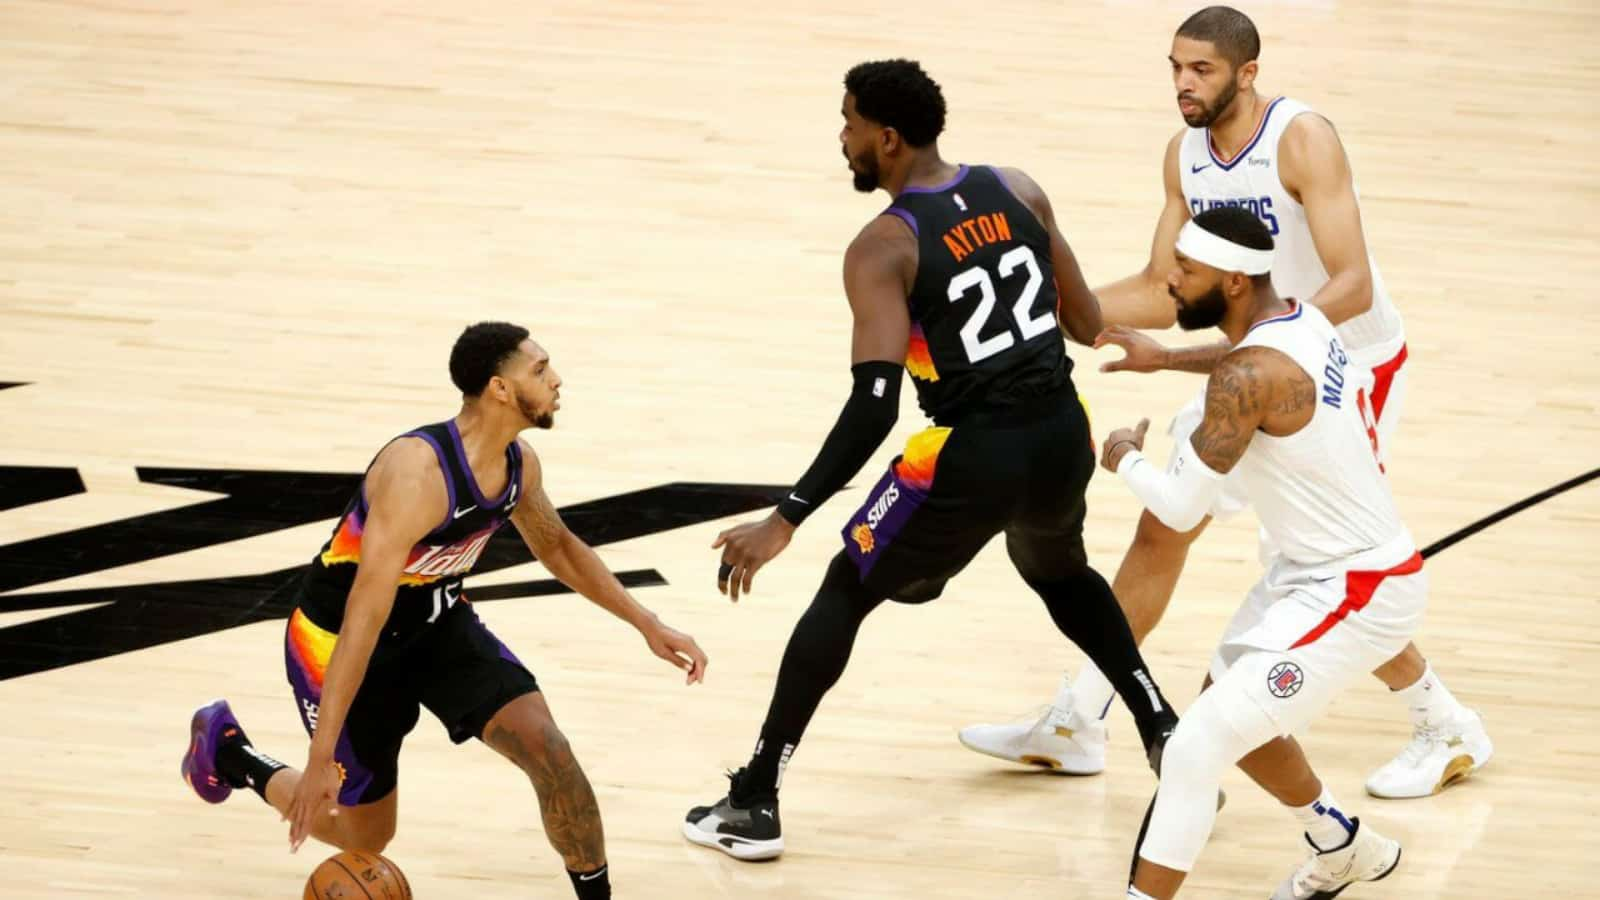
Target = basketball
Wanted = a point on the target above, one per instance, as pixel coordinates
(356, 875)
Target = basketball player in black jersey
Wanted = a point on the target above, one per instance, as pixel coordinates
(382, 626)
(957, 282)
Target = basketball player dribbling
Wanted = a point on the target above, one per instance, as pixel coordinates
(1285, 164)
(964, 281)
(1288, 421)
(381, 626)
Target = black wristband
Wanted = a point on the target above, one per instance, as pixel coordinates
(867, 418)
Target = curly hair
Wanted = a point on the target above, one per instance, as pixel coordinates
(897, 94)
(480, 351)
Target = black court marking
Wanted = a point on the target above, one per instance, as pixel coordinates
(22, 485)
(135, 617)
(1461, 534)
(12, 384)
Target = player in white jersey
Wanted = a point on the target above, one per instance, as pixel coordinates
(1288, 423)
(1285, 165)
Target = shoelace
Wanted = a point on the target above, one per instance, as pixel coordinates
(1423, 740)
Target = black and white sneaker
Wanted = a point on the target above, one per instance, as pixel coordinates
(746, 828)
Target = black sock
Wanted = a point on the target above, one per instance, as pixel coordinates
(242, 765)
(816, 656)
(595, 885)
(1086, 611)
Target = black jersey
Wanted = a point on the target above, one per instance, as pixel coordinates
(431, 580)
(983, 307)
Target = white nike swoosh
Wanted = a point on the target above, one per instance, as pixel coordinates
(461, 512)
(799, 499)
(592, 875)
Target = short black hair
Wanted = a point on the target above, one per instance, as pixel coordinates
(480, 351)
(1231, 31)
(1236, 224)
(897, 94)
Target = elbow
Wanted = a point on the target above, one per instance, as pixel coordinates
(1181, 521)
(1360, 291)
(1086, 322)
(886, 423)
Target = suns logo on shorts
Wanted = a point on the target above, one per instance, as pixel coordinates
(339, 766)
(1285, 680)
(862, 534)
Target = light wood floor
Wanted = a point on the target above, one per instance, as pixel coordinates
(243, 234)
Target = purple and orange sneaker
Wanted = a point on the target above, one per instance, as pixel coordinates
(211, 724)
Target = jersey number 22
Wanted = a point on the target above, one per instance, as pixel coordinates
(979, 349)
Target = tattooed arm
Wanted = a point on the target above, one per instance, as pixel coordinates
(579, 567)
(1254, 388)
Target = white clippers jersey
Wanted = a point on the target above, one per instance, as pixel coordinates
(1320, 493)
(1251, 180)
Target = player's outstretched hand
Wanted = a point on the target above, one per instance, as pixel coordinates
(679, 649)
(318, 790)
(1121, 442)
(746, 548)
(1144, 353)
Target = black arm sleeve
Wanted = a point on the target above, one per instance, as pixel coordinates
(865, 421)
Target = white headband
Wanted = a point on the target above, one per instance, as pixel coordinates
(1218, 252)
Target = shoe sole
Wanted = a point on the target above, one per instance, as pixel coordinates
(1048, 763)
(739, 848)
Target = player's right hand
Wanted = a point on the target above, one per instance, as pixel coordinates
(318, 790)
(1144, 353)
(679, 649)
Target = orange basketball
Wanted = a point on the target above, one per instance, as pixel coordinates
(357, 875)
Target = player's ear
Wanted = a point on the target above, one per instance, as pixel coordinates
(1235, 284)
(889, 139)
(1246, 75)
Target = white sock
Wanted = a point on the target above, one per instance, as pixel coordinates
(1093, 693)
(1064, 695)
(1429, 700)
(1136, 894)
(1324, 822)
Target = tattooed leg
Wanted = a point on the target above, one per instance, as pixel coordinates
(524, 733)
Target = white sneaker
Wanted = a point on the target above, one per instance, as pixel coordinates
(1437, 757)
(1059, 740)
(1369, 856)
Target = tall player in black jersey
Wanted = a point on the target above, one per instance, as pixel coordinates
(957, 281)
(382, 627)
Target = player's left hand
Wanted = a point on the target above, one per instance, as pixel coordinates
(318, 790)
(677, 648)
(1121, 442)
(748, 547)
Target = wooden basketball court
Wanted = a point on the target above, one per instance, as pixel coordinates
(242, 236)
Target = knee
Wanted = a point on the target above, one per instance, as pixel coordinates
(372, 837)
(544, 747)
(1188, 756)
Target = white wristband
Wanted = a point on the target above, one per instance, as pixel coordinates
(1179, 500)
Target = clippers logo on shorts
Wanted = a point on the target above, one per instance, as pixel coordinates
(1285, 680)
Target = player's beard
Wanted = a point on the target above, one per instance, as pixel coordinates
(1204, 311)
(865, 171)
(1209, 113)
(543, 420)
